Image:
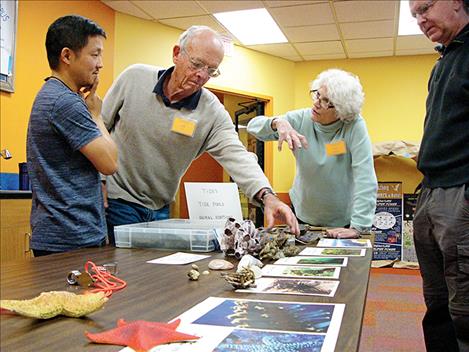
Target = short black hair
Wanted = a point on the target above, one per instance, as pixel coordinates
(70, 32)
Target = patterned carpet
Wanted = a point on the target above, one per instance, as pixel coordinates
(393, 313)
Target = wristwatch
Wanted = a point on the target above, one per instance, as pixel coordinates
(263, 192)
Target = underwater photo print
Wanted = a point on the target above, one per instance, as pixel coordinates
(341, 243)
(267, 341)
(225, 324)
(317, 272)
(324, 261)
(333, 252)
(305, 287)
(270, 315)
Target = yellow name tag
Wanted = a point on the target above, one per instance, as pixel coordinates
(337, 148)
(184, 126)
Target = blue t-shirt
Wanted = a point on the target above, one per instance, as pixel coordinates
(67, 206)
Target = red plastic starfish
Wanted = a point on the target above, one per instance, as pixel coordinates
(141, 335)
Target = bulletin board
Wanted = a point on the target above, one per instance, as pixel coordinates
(8, 25)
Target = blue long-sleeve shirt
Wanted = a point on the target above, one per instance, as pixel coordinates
(331, 191)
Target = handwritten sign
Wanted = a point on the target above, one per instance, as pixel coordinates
(213, 201)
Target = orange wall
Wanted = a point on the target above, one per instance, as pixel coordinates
(31, 67)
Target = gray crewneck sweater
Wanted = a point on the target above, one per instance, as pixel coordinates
(152, 158)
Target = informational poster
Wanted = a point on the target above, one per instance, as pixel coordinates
(387, 223)
(408, 247)
(7, 43)
(213, 201)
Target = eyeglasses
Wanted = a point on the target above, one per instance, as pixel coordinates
(423, 10)
(198, 65)
(324, 102)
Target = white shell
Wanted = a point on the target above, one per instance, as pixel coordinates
(220, 264)
(247, 261)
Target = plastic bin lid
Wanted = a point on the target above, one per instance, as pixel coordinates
(177, 224)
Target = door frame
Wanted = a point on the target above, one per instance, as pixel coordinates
(268, 151)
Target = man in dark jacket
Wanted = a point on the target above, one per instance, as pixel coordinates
(441, 223)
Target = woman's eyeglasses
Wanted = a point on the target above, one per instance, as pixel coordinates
(324, 102)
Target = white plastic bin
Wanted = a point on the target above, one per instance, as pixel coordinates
(177, 234)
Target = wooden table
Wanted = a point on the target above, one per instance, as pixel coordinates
(154, 293)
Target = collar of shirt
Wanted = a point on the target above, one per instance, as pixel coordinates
(458, 40)
(189, 103)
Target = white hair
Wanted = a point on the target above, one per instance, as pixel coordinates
(191, 32)
(343, 90)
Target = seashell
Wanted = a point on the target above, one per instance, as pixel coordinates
(242, 279)
(220, 264)
(193, 275)
(195, 267)
(248, 260)
(205, 272)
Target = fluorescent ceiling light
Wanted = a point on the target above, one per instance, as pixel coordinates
(407, 24)
(252, 26)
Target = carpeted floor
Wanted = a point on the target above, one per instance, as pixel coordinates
(393, 313)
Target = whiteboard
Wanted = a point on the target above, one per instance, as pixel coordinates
(8, 25)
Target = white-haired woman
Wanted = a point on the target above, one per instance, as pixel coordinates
(335, 183)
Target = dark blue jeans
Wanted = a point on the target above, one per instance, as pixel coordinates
(121, 212)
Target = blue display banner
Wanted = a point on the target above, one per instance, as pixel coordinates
(387, 223)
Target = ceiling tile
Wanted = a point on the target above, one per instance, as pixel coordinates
(410, 42)
(351, 11)
(281, 3)
(324, 56)
(293, 58)
(312, 33)
(367, 26)
(170, 9)
(304, 15)
(333, 47)
(185, 22)
(416, 52)
(368, 45)
(371, 54)
(215, 6)
(283, 49)
(361, 30)
(127, 7)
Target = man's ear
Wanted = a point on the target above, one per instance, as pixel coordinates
(176, 53)
(66, 55)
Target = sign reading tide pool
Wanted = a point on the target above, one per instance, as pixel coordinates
(213, 201)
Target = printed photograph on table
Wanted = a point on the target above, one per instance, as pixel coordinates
(344, 243)
(321, 261)
(333, 252)
(249, 341)
(225, 324)
(316, 272)
(267, 315)
(306, 287)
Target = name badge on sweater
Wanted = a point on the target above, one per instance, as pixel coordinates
(337, 148)
(184, 126)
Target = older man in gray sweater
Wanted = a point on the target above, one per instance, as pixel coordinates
(163, 119)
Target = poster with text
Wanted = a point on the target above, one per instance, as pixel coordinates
(387, 223)
(408, 247)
